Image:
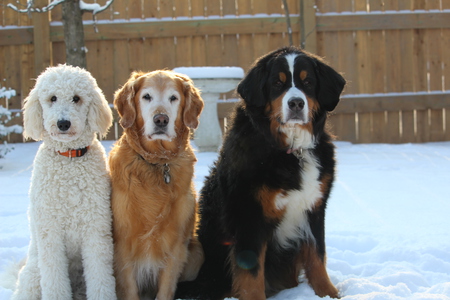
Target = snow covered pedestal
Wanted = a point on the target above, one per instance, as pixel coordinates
(211, 81)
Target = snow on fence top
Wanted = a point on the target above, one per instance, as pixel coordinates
(211, 72)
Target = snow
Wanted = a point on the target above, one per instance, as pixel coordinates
(211, 72)
(7, 93)
(386, 227)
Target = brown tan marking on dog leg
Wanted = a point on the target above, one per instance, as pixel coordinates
(267, 198)
(325, 183)
(316, 273)
(246, 286)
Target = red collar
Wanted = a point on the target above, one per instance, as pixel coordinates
(75, 152)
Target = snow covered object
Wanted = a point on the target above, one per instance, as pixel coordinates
(5, 116)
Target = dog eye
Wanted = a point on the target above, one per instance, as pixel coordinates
(307, 82)
(53, 99)
(278, 84)
(75, 99)
(147, 97)
(173, 98)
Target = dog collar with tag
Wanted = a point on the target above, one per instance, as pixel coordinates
(75, 152)
(299, 154)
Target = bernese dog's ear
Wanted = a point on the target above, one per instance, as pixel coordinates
(252, 87)
(331, 84)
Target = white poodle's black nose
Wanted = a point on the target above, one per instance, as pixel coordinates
(63, 125)
(161, 120)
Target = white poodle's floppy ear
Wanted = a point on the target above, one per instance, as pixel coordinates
(32, 116)
(100, 114)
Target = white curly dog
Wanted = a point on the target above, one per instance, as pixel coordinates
(69, 212)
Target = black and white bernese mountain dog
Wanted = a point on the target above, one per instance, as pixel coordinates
(262, 208)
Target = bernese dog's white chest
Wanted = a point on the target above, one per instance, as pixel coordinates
(296, 203)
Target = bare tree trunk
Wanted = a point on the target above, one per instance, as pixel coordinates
(288, 22)
(74, 33)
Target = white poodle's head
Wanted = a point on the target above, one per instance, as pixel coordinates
(65, 102)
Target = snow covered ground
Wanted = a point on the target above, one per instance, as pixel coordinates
(388, 220)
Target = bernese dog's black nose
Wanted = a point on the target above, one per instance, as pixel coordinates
(63, 125)
(296, 104)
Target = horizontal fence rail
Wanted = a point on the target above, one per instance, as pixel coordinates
(155, 28)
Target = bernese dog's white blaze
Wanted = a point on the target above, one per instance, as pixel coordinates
(296, 204)
(295, 113)
(295, 104)
(159, 110)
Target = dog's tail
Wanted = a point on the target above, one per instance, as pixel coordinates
(195, 261)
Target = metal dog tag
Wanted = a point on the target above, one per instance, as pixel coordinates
(299, 155)
(166, 174)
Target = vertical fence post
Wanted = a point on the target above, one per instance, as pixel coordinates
(41, 38)
(308, 32)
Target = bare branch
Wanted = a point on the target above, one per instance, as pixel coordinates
(30, 8)
(94, 8)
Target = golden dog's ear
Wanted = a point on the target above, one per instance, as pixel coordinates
(100, 114)
(194, 102)
(32, 116)
(124, 100)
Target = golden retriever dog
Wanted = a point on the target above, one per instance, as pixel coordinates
(153, 196)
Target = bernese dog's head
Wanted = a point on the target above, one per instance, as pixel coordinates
(292, 90)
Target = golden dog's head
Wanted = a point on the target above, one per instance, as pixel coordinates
(158, 106)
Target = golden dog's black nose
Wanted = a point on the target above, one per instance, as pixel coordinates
(161, 120)
(63, 125)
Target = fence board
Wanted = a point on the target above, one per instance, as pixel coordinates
(230, 43)
(364, 70)
(213, 41)
(27, 72)
(406, 69)
(41, 38)
(261, 40)
(343, 125)
(446, 71)
(378, 71)
(434, 54)
(389, 121)
(183, 44)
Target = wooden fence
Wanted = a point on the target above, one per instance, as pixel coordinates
(393, 53)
